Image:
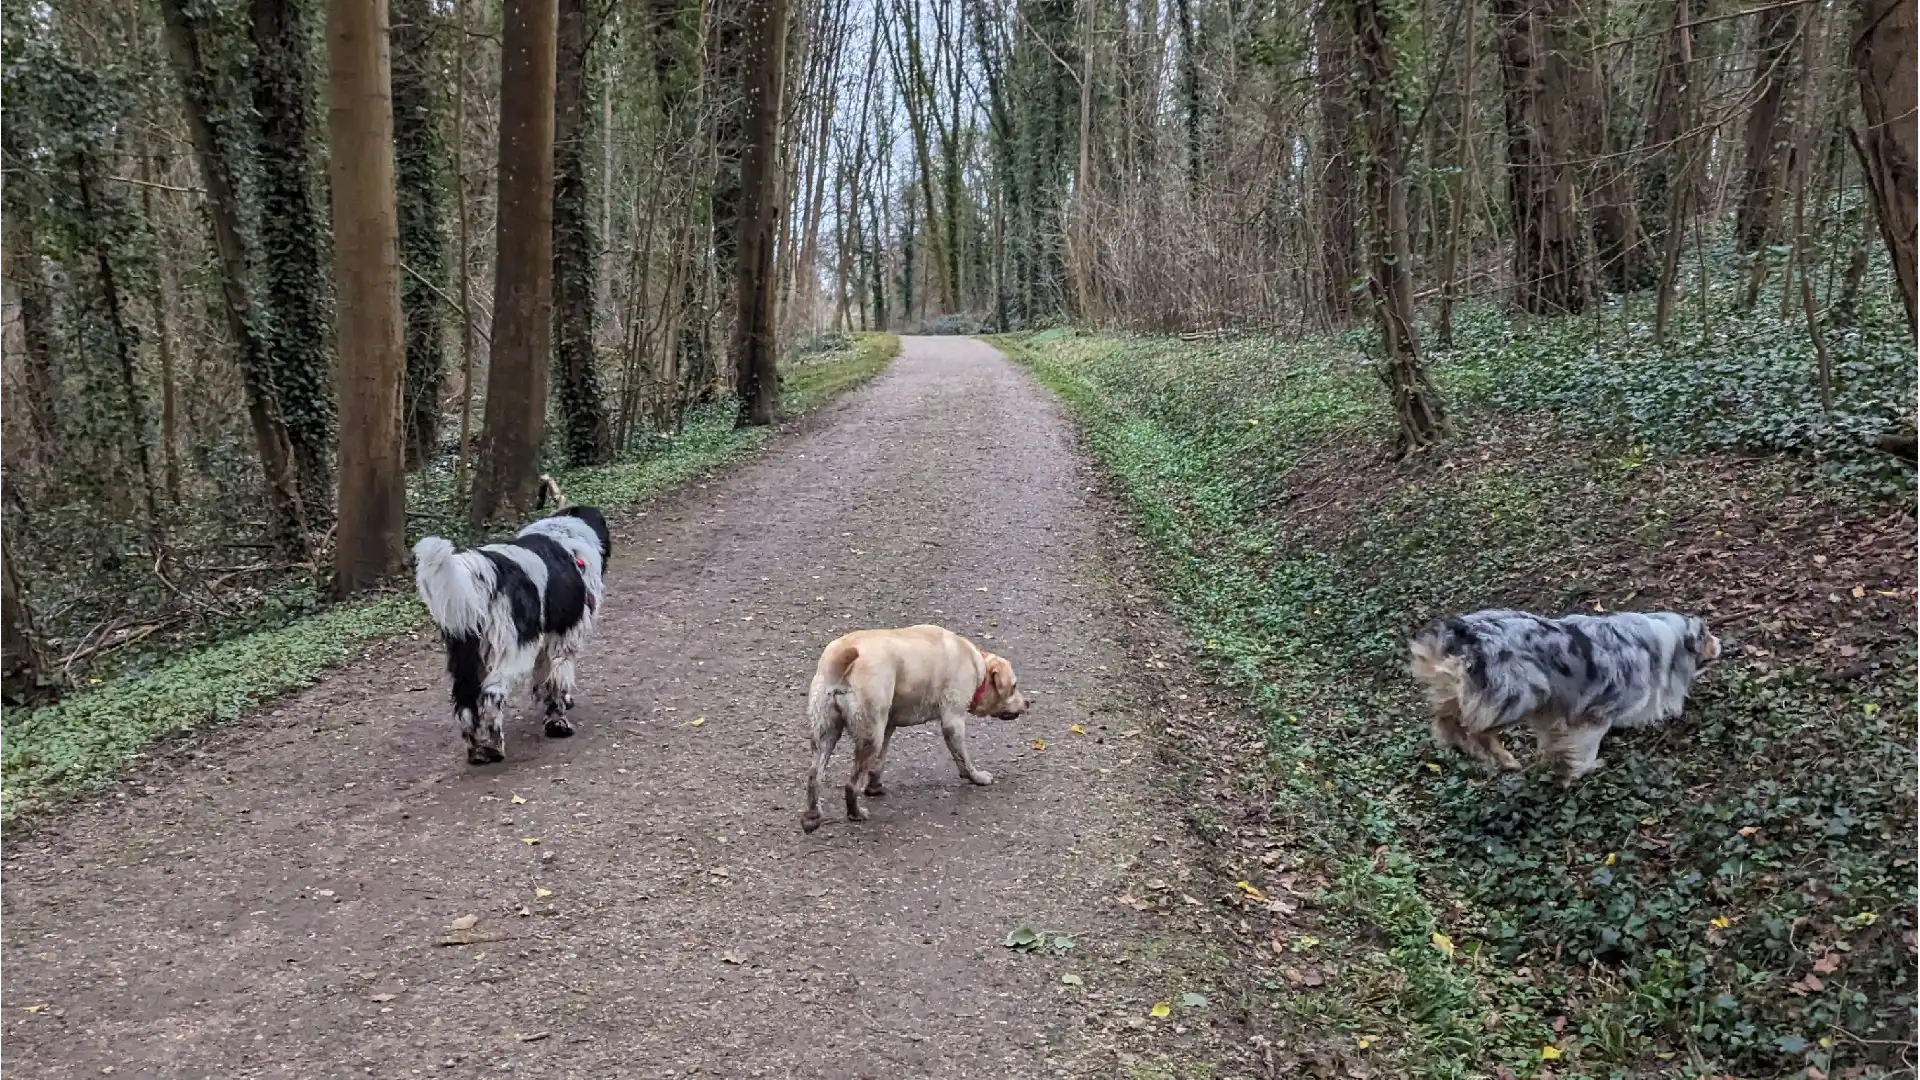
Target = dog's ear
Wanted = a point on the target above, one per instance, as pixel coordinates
(1000, 675)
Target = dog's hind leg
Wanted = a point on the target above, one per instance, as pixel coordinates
(826, 723)
(488, 743)
(866, 752)
(875, 788)
(1580, 749)
(953, 727)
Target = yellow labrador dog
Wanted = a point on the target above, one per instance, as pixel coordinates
(870, 682)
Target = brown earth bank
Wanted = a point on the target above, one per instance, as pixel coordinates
(328, 889)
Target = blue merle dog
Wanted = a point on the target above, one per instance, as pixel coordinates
(1572, 680)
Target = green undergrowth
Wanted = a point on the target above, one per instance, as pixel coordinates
(53, 752)
(1735, 893)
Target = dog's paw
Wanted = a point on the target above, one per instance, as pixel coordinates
(981, 777)
(875, 789)
(810, 821)
(482, 754)
(855, 812)
(559, 727)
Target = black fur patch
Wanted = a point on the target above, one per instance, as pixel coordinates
(566, 590)
(1582, 647)
(522, 598)
(464, 664)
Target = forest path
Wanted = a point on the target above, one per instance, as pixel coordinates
(282, 905)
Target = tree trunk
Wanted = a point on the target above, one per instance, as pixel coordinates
(582, 412)
(1416, 404)
(755, 350)
(1884, 63)
(1549, 268)
(1457, 182)
(292, 266)
(1668, 142)
(25, 271)
(1766, 136)
(419, 153)
(1624, 261)
(370, 544)
(515, 424)
(1333, 63)
(286, 515)
(26, 678)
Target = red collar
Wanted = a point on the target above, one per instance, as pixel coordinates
(979, 690)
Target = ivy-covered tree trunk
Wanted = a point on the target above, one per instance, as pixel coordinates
(1766, 135)
(1416, 404)
(1549, 266)
(1883, 63)
(212, 147)
(27, 274)
(515, 424)
(755, 344)
(370, 543)
(583, 412)
(292, 265)
(1334, 191)
(419, 154)
(26, 676)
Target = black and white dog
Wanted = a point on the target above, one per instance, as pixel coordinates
(1572, 680)
(516, 609)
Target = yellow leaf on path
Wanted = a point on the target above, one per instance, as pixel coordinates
(517, 800)
(541, 894)
(36, 1008)
(1039, 744)
(1549, 1053)
(698, 720)
(1720, 922)
(1859, 591)
(465, 922)
(1076, 729)
(1433, 766)
(1249, 890)
(1612, 857)
(1443, 943)
(1161, 1010)
(1364, 1041)
(530, 841)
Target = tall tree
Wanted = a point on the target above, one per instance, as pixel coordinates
(1884, 65)
(755, 348)
(292, 266)
(370, 543)
(212, 135)
(1549, 265)
(1766, 134)
(583, 413)
(1416, 404)
(1335, 186)
(26, 676)
(419, 154)
(516, 418)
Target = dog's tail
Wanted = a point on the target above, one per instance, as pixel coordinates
(550, 488)
(456, 586)
(830, 708)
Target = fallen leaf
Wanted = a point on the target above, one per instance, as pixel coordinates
(731, 957)
(35, 1008)
(1248, 888)
(540, 893)
(1364, 1041)
(517, 800)
(1191, 1000)
(1720, 922)
(530, 841)
(1076, 729)
(1810, 984)
(464, 922)
(1612, 857)
(1021, 937)
(1061, 943)
(535, 1037)
(1827, 964)
(1433, 766)
(1073, 980)
(1039, 744)
(383, 997)
(1859, 592)
(698, 720)
(1444, 944)
(1749, 830)
(1312, 977)
(1161, 1010)
(1549, 1053)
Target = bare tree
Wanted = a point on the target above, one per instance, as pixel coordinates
(1883, 62)
(755, 348)
(370, 541)
(515, 424)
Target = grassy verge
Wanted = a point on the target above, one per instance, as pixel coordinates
(52, 753)
(1734, 893)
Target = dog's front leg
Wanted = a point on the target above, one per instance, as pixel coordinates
(487, 736)
(953, 727)
(553, 687)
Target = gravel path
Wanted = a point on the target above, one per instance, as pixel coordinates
(286, 904)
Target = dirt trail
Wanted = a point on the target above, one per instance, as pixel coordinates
(279, 907)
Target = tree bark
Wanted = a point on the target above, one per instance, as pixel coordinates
(287, 522)
(755, 350)
(583, 413)
(515, 423)
(292, 266)
(26, 678)
(1765, 136)
(1884, 64)
(419, 153)
(1624, 261)
(370, 543)
(1339, 241)
(1416, 404)
(1549, 267)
